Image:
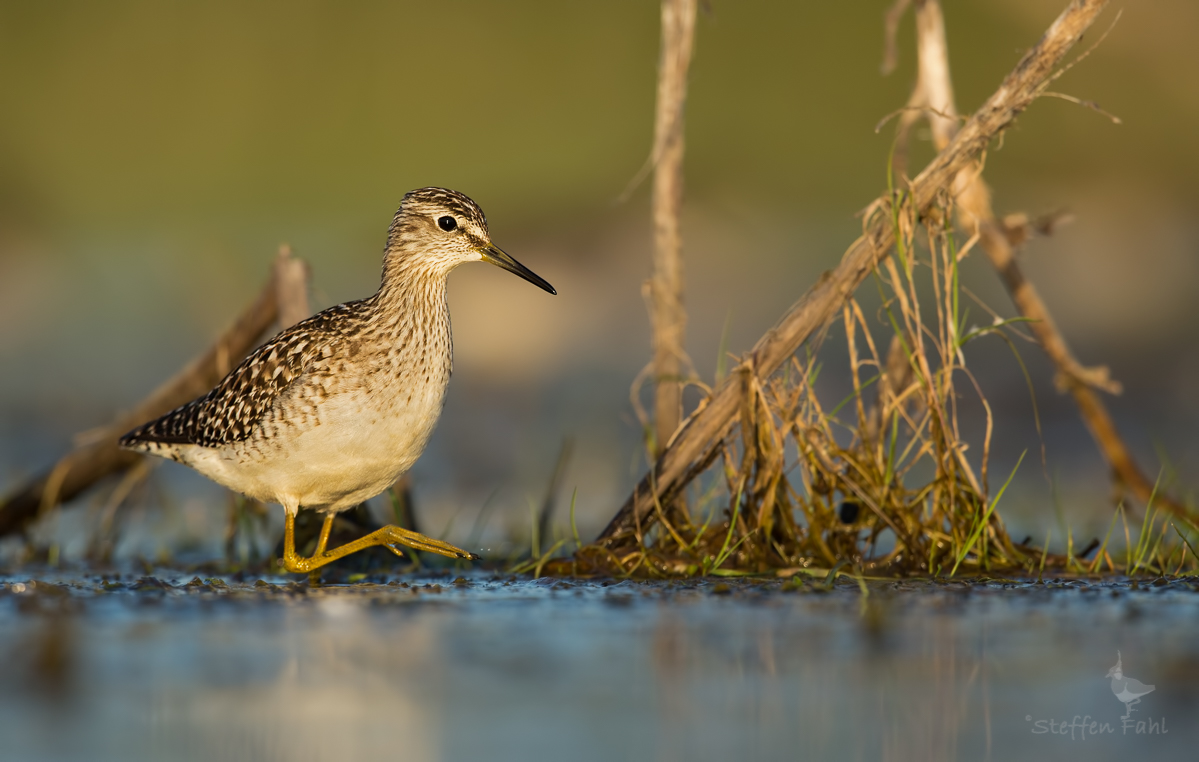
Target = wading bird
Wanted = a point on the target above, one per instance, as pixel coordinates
(334, 409)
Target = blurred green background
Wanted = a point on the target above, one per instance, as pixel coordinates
(153, 155)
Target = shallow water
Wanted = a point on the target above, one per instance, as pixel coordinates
(491, 667)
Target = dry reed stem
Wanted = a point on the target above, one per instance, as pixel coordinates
(87, 463)
(290, 277)
(699, 440)
(890, 35)
(934, 91)
(665, 289)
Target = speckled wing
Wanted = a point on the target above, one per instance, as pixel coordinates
(230, 411)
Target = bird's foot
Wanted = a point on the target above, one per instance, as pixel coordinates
(390, 537)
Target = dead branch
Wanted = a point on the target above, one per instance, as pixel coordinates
(290, 276)
(285, 294)
(665, 289)
(975, 216)
(696, 444)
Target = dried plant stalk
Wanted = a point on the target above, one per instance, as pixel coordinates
(665, 289)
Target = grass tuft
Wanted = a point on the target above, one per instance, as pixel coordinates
(883, 481)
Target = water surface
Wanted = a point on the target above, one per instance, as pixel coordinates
(492, 667)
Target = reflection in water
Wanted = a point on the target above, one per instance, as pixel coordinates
(916, 707)
(332, 670)
(495, 669)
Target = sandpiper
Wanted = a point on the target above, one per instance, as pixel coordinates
(334, 409)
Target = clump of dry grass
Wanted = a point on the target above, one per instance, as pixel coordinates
(882, 482)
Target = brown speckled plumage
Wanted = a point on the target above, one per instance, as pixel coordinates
(335, 408)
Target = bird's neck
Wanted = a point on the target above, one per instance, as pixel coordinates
(408, 281)
(412, 312)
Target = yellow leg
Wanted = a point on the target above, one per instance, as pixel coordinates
(389, 537)
(323, 540)
(314, 576)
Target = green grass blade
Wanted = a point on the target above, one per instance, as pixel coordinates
(986, 517)
(574, 528)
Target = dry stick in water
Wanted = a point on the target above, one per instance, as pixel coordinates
(665, 289)
(934, 93)
(697, 443)
(285, 296)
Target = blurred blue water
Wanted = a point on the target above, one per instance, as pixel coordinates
(589, 670)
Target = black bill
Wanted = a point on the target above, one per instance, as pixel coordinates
(500, 259)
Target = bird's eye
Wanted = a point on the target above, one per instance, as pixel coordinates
(447, 223)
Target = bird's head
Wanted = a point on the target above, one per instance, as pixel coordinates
(438, 229)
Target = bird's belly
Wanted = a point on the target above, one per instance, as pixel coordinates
(353, 449)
